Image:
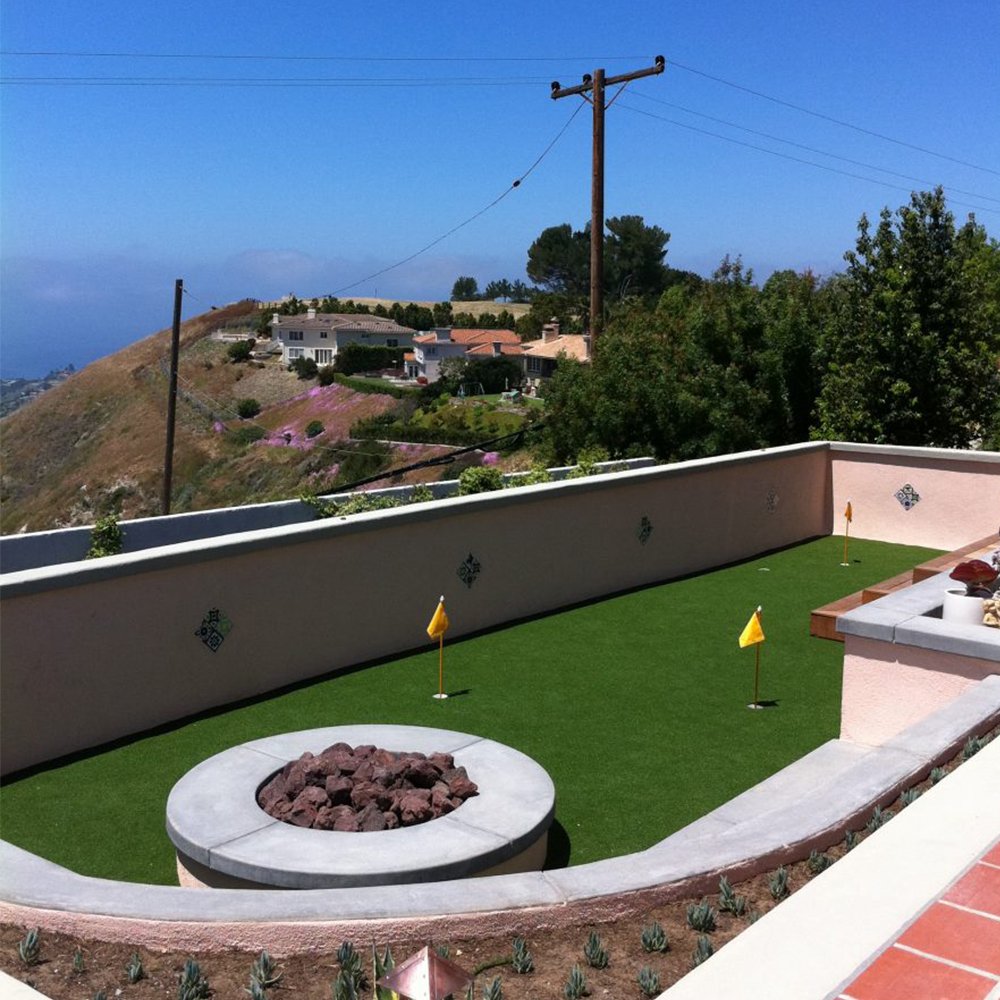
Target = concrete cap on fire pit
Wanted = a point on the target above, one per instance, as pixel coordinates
(215, 821)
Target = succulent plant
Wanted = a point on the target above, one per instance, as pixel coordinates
(192, 985)
(909, 796)
(594, 952)
(976, 575)
(100, 995)
(729, 900)
(350, 963)
(649, 981)
(576, 985)
(382, 965)
(29, 948)
(255, 990)
(972, 746)
(819, 862)
(850, 840)
(520, 959)
(79, 965)
(343, 987)
(262, 972)
(442, 950)
(701, 917)
(879, 818)
(134, 971)
(494, 991)
(703, 951)
(654, 938)
(753, 916)
(778, 883)
(937, 774)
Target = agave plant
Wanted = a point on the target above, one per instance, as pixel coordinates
(100, 995)
(351, 965)
(520, 958)
(879, 818)
(909, 796)
(850, 840)
(134, 971)
(382, 965)
(576, 985)
(819, 862)
(343, 987)
(729, 900)
(778, 883)
(192, 985)
(701, 917)
(494, 991)
(972, 746)
(937, 774)
(79, 965)
(29, 948)
(703, 951)
(594, 952)
(262, 972)
(654, 938)
(649, 981)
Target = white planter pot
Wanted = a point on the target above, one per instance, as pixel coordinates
(962, 609)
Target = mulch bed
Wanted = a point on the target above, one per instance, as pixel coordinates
(310, 976)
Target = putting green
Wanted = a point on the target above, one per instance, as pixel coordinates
(636, 705)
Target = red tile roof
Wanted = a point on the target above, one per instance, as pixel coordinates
(487, 349)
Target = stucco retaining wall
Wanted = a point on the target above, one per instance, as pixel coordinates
(807, 805)
(97, 650)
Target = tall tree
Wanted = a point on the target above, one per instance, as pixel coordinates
(911, 352)
(465, 289)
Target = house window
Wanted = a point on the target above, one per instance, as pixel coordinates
(430, 350)
(391, 342)
(324, 355)
(535, 365)
(294, 334)
(294, 352)
(322, 334)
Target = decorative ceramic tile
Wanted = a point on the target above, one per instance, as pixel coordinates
(645, 530)
(771, 501)
(215, 626)
(469, 570)
(908, 497)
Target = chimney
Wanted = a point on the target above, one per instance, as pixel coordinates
(276, 318)
(311, 314)
(442, 334)
(497, 349)
(550, 331)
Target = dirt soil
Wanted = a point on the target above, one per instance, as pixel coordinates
(310, 976)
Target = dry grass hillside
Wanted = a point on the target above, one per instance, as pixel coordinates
(475, 308)
(94, 444)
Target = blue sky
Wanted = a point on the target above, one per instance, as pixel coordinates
(108, 193)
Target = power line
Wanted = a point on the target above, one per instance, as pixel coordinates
(796, 159)
(233, 83)
(304, 58)
(496, 201)
(830, 118)
(812, 149)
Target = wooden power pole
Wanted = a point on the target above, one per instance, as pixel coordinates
(596, 85)
(175, 344)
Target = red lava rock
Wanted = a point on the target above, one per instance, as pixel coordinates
(339, 789)
(365, 789)
(347, 823)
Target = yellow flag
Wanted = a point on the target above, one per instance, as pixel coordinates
(753, 633)
(848, 513)
(439, 623)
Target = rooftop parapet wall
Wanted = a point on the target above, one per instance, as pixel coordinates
(946, 498)
(111, 643)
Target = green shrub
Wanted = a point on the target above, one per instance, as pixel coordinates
(304, 367)
(421, 494)
(240, 351)
(247, 434)
(106, 538)
(327, 375)
(535, 475)
(353, 358)
(378, 388)
(247, 408)
(314, 428)
(479, 479)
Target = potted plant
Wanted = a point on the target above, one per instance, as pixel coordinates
(965, 604)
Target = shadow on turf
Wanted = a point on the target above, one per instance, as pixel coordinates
(209, 713)
(557, 851)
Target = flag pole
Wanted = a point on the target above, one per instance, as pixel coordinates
(847, 532)
(441, 665)
(756, 666)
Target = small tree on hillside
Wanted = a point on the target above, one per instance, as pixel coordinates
(465, 289)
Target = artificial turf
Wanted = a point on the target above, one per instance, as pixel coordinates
(636, 705)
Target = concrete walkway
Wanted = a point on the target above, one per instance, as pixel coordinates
(913, 913)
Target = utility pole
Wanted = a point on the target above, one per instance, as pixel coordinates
(596, 85)
(175, 344)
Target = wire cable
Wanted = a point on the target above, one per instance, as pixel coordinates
(305, 58)
(26, 81)
(830, 118)
(812, 149)
(796, 159)
(496, 201)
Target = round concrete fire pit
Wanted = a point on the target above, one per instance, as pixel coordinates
(224, 838)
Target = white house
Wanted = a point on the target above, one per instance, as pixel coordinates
(430, 349)
(321, 335)
(542, 356)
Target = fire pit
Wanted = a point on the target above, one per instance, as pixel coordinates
(491, 814)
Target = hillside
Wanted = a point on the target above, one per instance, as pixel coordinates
(94, 444)
(475, 308)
